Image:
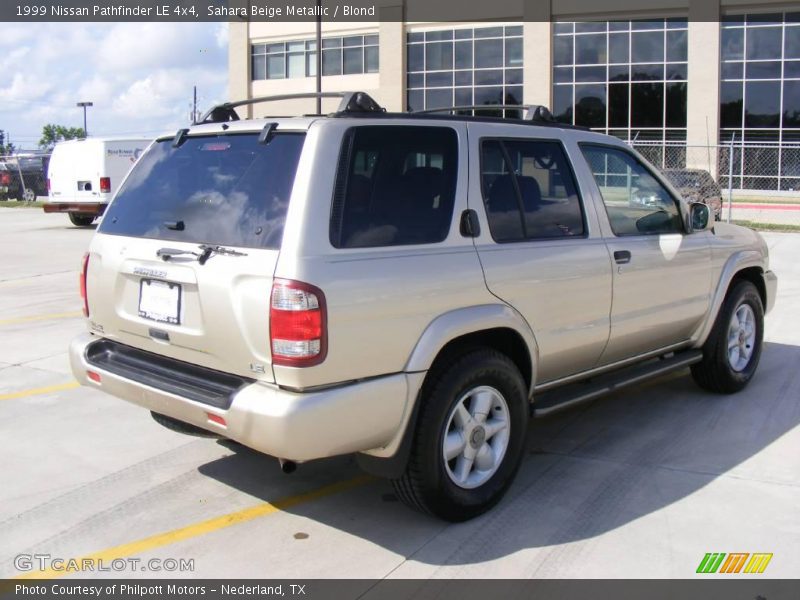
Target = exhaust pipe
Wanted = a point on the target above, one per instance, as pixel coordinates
(287, 466)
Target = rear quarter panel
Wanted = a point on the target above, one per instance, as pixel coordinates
(380, 300)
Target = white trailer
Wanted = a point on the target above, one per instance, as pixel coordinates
(84, 175)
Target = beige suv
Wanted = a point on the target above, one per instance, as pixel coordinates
(410, 288)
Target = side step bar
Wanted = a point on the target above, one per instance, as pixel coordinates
(553, 401)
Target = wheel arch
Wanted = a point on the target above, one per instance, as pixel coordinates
(746, 265)
(495, 326)
(492, 325)
(754, 275)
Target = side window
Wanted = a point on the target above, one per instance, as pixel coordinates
(395, 185)
(635, 201)
(529, 191)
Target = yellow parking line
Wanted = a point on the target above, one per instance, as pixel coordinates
(47, 317)
(39, 391)
(196, 529)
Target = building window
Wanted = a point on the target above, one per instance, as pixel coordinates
(760, 99)
(350, 55)
(625, 78)
(464, 67)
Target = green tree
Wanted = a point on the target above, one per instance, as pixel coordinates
(5, 148)
(52, 134)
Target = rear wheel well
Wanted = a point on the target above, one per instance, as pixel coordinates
(755, 276)
(504, 340)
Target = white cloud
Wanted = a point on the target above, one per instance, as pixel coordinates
(162, 45)
(13, 57)
(24, 88)
(15, 33)
(139, 75)
(221, 35)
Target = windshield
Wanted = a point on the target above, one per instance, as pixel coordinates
(227, 190)
(684, 178)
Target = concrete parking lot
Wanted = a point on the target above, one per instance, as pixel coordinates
(639, 484)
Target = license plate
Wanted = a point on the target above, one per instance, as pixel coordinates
(160, 301)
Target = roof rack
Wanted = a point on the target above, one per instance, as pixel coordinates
(352, 102)
(533, 112)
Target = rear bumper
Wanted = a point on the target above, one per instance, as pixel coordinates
(771, 284)
(85, 208)
(362, 416)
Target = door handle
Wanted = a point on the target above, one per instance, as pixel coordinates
(622, 257)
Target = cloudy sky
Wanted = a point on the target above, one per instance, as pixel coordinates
(139, 75)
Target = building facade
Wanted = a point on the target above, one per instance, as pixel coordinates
(677, 81)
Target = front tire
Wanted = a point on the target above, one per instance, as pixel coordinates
(469, 438)
(733, 349)
(80, 220)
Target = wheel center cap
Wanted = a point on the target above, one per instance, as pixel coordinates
(477, 437)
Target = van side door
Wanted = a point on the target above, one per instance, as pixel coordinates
(540, 245)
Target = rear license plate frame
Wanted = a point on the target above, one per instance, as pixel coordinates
(151, 311)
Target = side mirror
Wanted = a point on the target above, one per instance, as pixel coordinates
(700, 216)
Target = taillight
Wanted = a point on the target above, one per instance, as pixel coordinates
(105, 184)
(84, 296)
(297, 324)
(48, 185)
(5, 179)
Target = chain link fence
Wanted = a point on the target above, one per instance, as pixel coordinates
(758, 183)
(23, 177)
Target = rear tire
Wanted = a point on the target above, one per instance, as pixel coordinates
(733, 349)
(475, 411)
(80, 220)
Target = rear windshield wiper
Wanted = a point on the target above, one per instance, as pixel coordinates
(206, 251)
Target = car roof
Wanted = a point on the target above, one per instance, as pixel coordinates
(304, 123)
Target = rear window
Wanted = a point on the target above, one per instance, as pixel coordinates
(395, 186)
(227, 190)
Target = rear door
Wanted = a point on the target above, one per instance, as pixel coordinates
(88, 167)
(222, 190)
(540, 246)
(61, 172)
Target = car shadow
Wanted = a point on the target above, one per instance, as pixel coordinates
(67, 227)
(586, 471)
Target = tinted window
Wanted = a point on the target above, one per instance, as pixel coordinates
(635, 200)
(762, 104)
(395, 186)
(227, 190)
(529, 191)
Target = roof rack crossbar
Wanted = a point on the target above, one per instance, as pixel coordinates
(533, 112)
(350, 102)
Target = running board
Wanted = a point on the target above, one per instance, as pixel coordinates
(559, 399)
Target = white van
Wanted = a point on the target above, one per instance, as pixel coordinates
(84, 174)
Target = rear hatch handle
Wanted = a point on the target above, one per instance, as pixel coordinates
(206, 251)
